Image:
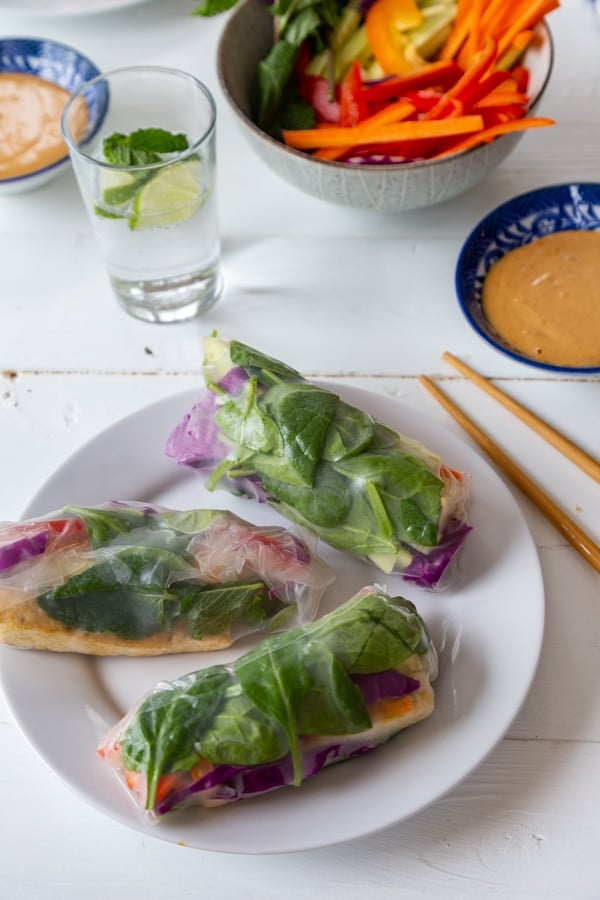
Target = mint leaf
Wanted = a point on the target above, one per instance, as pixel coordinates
(142, 147)
(157, 140)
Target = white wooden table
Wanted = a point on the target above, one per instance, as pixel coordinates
(369, 300)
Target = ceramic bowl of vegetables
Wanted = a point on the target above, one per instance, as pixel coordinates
(387, 105)
(37, 77)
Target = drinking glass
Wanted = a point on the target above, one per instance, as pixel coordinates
(148, 180)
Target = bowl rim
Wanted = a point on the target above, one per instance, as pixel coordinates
(483, 225)
(451, 158)
(40, 41)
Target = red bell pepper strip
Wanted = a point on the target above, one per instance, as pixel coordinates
(521, 77)
(484, 87)
(441, 74)
(473, 75)
(353, 101)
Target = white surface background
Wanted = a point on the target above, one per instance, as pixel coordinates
(368, 299)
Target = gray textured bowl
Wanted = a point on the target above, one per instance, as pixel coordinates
(246, 39)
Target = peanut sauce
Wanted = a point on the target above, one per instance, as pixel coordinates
(544, 298)
(30, 111)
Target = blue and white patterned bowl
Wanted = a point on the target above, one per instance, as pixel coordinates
(63, 66)
(560, 207)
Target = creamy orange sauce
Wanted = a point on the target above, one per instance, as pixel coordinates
(30, 111)
(544, 298)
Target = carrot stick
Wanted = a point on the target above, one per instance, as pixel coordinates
(471, 45)
(393, 112)
(498, 16)
(488, 134)
(336, 136)
(496, 10)
(480, 66)
(460, 30)
(530, 16)
(503, 98)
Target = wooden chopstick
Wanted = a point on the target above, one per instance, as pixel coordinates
(555, 515)
(574, 453)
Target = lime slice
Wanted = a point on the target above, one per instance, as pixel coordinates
(169, 197)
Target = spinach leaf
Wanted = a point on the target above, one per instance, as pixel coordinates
(125, 594)
(302, 413)
(213, 7)
(273, 75)
(325, 504)
(373, 633)
(243, 421)
(248, 358)
(295, 113)
(163, 735)
(409, 492)
(213, 609)
(333, 703)
(273, 676)
(350, 431)
(306, 22)
(242, 735)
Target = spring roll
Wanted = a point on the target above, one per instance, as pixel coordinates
(261, 430)
(139, 580)
(302, 700)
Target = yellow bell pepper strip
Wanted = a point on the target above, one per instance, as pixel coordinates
(385, 22)
(336, 136)
(488, 134)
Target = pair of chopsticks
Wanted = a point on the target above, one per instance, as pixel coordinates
(581, 541)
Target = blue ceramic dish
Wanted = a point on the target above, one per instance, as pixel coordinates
(63, 66)
(561, 207)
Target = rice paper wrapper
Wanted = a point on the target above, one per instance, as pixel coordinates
(261, 430)
(128, 577)
(325, 692)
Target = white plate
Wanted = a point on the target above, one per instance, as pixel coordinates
(63, 7)
(488, 630)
